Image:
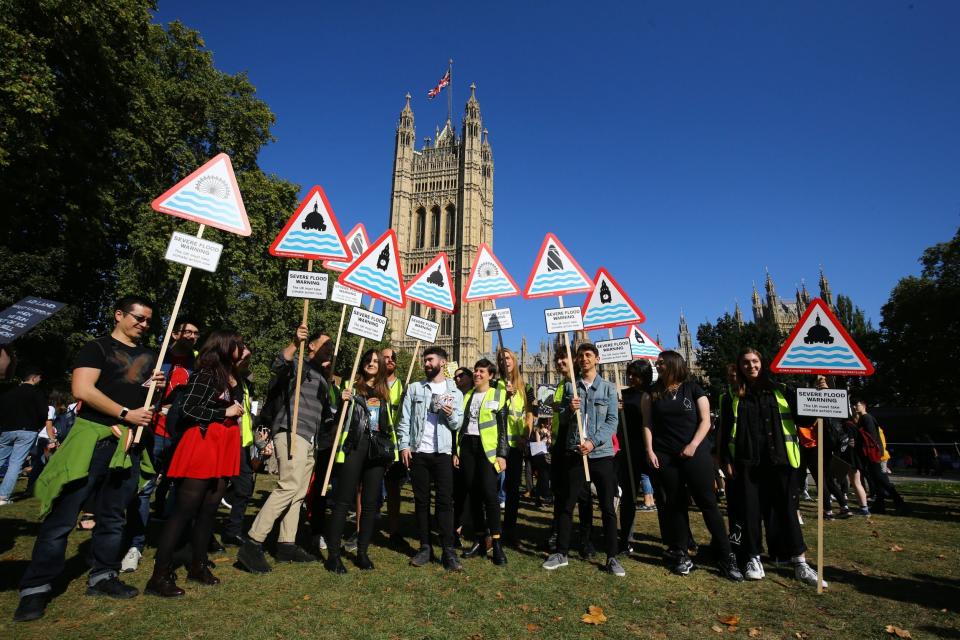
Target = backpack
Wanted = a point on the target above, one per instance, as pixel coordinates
(176, 424)
(869, 447)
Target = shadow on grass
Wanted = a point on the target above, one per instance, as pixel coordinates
(13, 528)
(75, 566)
(933, 592)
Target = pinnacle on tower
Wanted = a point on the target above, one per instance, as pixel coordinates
(825, 289)
(757, 306)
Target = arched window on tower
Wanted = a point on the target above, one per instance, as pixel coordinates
(421, 226)
(446, 325)
(435, 227)
(451, 225)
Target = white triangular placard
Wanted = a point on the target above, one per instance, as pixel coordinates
(642, 345)
(608, 305)
(377, 271)
(555, 272)
(357, 243)
(433, 286)
(210, 196)
(312, 232)
(819, 344)
(488, 279)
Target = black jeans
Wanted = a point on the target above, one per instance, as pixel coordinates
(111, 491)
(767, 496)
(603, 474)
(628, 498)
(435, 468)
(481, 480)
(512, 487)
(558, 479)
(882, 487)
(355, 471)
(541, 468)
(831, 486)
(241, 490)
(318, 502)
(680, 478)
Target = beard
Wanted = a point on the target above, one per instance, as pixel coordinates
(431, 371)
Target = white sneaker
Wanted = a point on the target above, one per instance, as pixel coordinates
(131, 561)
(754, 569)
(807, 575)
(799, 518)
(321, 544)
(5, 501)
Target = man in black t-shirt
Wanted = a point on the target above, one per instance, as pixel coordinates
(110, 378)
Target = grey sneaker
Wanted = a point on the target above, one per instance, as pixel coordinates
(754, 569)
(614, 567)
(555, 561)
(350, 544)
(806, 574)
(131, 561)
(683, 566)
(423, 556)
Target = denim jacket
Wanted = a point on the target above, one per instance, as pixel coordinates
(413, 417)
(598, 410)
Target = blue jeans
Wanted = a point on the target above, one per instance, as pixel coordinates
(647, 487)
(113, 490)
(138, 514)
(14, 447)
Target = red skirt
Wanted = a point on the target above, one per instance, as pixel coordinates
(215, 454)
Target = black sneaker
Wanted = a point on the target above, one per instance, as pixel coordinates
(113, 588)
(252, 559)
(683, 566)
(423, 556)
(588, 551)
(214, 545)
(231, 540)
(450, 560)
(334, 564)
(290, 552)
(729, 568)
(32, 607)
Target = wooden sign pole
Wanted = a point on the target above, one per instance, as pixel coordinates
(336, 346)
(296, 388)
(343, 413)
(413, 362)
(626, 436)
(573, 380)
(820, 553)
(166, 338)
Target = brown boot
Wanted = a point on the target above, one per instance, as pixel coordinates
(163, 583)
(200, 572)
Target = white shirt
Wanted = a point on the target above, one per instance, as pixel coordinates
(473, 421)
(428, 441)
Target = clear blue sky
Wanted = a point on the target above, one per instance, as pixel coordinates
(683, 146)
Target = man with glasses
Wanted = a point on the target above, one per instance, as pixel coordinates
(110, 378)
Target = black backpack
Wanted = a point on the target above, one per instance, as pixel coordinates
(176, 423)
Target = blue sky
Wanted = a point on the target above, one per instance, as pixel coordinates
(683, 146)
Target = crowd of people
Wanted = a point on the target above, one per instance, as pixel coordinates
(465, 443)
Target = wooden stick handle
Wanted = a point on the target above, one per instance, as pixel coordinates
(166, 338)
(573, 380)
(820, 553)
(296, 389)
(413, 362)
(626, 436)
(336, 346)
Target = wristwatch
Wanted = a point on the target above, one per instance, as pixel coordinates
(123, 413)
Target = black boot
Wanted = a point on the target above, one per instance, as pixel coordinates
(477, 550)
(499, 558)
(163, 583)
(251, 557)
(334, 564)
(364, 563)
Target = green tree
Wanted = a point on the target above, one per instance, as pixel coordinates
(920, 334)
(721, 342)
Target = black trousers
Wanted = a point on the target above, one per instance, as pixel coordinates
(481, 481)
(558, 477)
(541, 468)
(241, 490)
(808, 462)
(355, 471)
(882, 487)
(766, 496)
(435, 469)
(628, 498)
(679, 479)
(604, 477)
(318, 502)
(512, 487)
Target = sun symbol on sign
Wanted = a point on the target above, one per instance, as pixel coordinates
(488, 270)
(214, 186)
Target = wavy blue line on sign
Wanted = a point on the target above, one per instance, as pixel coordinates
(377, 282)
(314, 235)
(819, 349)
(491, 286)
(615, 312)
(202, 210)
(840, 357)
(820, 362)
(542, 284)
(558, 276)
(431, 293)
(315, 244)
(207, 201)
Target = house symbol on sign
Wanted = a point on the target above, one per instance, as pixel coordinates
(314, 220)
(818, 334)
(383, 261)
(436, 277)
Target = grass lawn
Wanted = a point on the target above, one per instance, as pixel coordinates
(885, 570)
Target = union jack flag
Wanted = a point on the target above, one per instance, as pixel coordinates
(444, 81)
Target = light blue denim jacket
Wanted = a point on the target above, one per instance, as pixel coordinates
(599, 411)
(413, 417)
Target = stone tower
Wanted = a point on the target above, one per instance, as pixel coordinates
(825, 293)
(685, 345)
(442, 200)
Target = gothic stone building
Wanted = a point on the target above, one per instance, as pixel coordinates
(784, 314)
(442, 200)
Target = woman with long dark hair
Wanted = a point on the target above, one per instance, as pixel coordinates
(639, 379)
(761, 456)
(676, 421)
(206, 456)
(364, 451)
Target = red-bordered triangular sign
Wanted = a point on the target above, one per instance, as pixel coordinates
(433, 286)
(357, 243)
(312, 232)
(608, 305)
(819, 344)
(210, 196)
(642, 345)
(488, 279)
(377, 271)
(555, 272)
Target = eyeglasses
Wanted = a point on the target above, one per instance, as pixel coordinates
(189, 332)
(139, 318)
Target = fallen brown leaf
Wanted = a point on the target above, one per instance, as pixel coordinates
(531, 627)
(896, 548)
(306, 597)
(897, 631)
(732, 628)
(755, 632)
(499, 596)
(729, 620)
(595, 615)
(717, 628)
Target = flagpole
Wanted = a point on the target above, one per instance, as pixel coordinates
(450, 94)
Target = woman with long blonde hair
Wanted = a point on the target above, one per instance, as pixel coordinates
(520, 418)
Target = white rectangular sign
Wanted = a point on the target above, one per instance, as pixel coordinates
(346, 295)
(193, 251)
(616, 350)
(422, 329)
(563, 319)
(823, 403)
(366, 324)
(496, 319)
(307, 284)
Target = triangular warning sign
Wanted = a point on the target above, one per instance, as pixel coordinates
(433, 286)
(488, 279)
(642, 346)
(555, 272)
(608, 305)
(820, 345)
(209, 196)
(312, 232)
(377, 271)
(357, 243)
